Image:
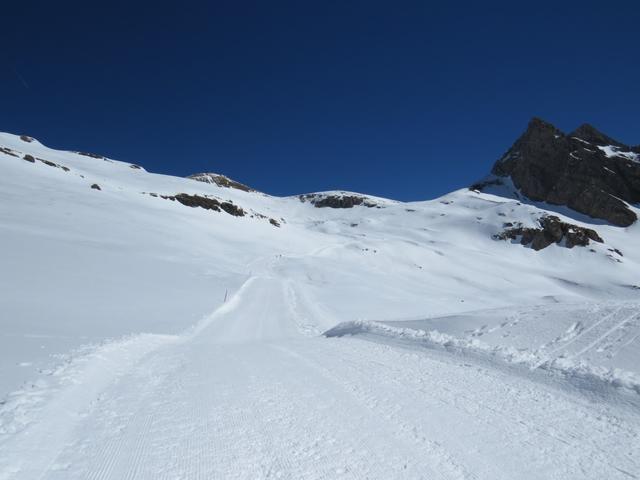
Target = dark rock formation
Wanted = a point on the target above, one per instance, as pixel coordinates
(52, 164)
(552, 230)
(585, 170)
(30, 158)
(320, 200)
(488, 182)
(220, 180)
(206, 203)
(135, 167)
(26, 138)
(8, 151)
(92, 155)
(590, 134)
(95, 186)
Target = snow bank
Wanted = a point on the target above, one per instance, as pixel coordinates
(74, 383)
(564, 367)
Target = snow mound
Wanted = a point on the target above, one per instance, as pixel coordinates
(573, 364)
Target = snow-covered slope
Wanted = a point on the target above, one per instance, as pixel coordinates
(134, 264)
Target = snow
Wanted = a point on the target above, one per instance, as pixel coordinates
(613, 151)
(122, 359)
(579, 139)
(599, 347)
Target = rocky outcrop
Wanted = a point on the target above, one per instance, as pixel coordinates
(31, 159)
(91, 155)
(585, 170)
(220, 180)
(53, 164)
(210, 203)
(321, 200)
(551, 230)
(8, 151)
(206, 202)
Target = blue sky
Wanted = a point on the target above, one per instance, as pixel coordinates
(407, 100)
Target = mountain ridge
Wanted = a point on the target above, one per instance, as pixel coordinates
(176, 282)
(585, 170)
(595, 175)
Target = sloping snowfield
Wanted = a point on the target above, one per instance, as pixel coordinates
(145, 339)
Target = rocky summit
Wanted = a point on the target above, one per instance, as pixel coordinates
(220, 180)
(585, 170)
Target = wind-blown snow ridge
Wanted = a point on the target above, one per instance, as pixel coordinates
(564, 367)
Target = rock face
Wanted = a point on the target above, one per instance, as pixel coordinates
(206, 203)
(552, 230)
(220, 180)
(585, 170)
(336, 201)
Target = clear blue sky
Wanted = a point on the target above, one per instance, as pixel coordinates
(407, 100)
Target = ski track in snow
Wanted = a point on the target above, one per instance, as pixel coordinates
(250, 393)
(601, 337)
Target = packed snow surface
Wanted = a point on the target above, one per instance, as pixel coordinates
(143, 338)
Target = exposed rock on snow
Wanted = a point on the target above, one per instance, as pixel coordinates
(92, 155)
(552, 230)
(585, 170)
(206, 203)
(487, 182)
(53, 164)
(220, 180)
(337, 200)
(8, 151)
(31, 159)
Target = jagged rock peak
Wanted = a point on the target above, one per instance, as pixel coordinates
(537, 124)
(592, 135)
(586, 171)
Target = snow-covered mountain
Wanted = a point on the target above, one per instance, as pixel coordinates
(531, 273)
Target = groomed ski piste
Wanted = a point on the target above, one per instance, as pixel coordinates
(145, 339)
